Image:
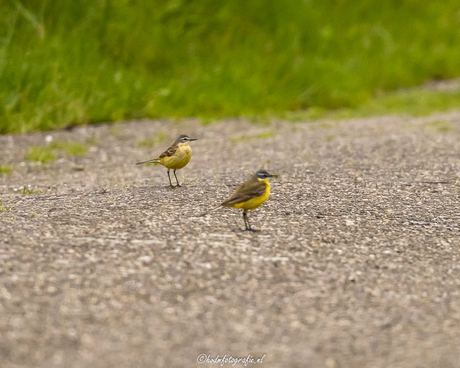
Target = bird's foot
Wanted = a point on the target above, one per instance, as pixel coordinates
(253, 230)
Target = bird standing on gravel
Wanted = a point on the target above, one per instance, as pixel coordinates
(251, 195)
(175, 157)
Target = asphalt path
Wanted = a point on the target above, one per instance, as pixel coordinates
(356, 264)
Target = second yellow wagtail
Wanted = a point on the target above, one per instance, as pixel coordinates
(175, 157)
(251, 195)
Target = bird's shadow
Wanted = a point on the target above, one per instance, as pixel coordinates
(173, 187)
(247, 230)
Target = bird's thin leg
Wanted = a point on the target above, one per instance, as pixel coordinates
(246, 221)
(170, 183)
(177, 181)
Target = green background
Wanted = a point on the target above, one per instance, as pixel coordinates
(76, 62)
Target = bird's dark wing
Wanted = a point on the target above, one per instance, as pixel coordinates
(251, 189)
(169, 152)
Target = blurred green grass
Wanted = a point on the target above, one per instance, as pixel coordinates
(417, 102)
(5, 169)
(41, 154)
(48, 153)
(68, 62)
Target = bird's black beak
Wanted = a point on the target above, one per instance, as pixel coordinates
(193, 139)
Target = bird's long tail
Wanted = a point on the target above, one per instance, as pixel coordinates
(153, 161)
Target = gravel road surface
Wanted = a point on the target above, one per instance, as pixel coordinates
(357, 263)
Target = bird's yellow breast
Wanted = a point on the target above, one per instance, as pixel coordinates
(253, 203)
(179, 159)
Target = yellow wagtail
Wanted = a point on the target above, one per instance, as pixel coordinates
(175, 157)
(250, 195)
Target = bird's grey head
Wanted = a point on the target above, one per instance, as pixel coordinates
(184, 138)
(263, 174)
